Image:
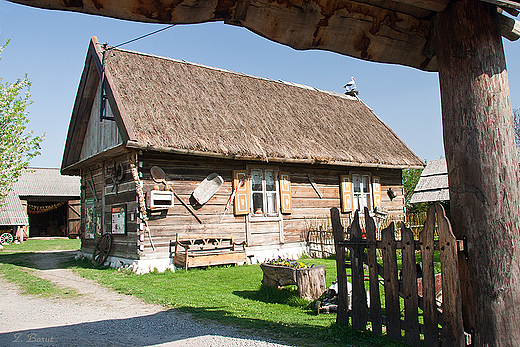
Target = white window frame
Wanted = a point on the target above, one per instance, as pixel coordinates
(362, 196)
(264, 215)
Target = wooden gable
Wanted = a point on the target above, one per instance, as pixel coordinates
(88, 135)
(99, 135)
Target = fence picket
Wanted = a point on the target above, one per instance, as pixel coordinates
(337, 229)
(431, 330)
(409, 278)
(452, 328)
(359, 299)
(375, 299)
(393, 318)
(450, 317)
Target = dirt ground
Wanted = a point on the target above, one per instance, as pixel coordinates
(101, 317)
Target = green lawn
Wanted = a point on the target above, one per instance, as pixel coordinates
(228, 295)
(16, 266)
(38, 245)
(233, 295)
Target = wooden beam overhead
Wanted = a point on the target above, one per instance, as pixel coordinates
(387, 31)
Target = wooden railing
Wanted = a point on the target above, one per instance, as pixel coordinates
(363, 250)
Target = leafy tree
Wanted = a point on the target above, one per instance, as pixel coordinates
(410, 180)
(17, 146)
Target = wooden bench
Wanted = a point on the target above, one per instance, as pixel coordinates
(202, 250)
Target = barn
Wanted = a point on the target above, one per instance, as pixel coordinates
(146, 131)
(42, 202)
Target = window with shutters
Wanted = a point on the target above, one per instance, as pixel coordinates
(362, 191)
(264, 193)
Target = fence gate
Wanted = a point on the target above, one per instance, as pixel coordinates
(405, 291)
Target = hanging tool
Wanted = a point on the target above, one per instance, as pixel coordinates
(242, 180)
(159, 176)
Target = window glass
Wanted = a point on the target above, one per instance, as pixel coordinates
(264, 192)
(258, 204)
(270, 184)
(362, 192)
(271, 203)
(366, 186)
(256, 180)
(356, 180)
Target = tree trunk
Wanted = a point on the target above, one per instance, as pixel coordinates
(482, 168)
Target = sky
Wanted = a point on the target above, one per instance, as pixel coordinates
(51, 46)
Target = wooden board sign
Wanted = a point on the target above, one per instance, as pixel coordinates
(119, 220)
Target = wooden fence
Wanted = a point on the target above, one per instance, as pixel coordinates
(321, 239)
(400, 294)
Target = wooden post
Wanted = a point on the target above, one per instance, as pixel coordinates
(411, 301)
(392, 308)
(337, 229)
(375, 300)
(482, 168)
(359, 298)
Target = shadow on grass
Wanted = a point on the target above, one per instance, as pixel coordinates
(38, 260)
(299, 334)
(296, 334)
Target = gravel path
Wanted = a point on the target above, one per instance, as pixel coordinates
(101, 317)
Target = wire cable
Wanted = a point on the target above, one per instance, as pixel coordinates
(142, 37)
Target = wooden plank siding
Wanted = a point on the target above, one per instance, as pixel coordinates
(184, 174)
(108, 195)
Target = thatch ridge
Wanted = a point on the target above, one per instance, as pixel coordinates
(187, 106)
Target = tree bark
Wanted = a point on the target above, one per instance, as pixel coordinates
(482, 168)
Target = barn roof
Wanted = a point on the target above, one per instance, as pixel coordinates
(433, 183)
(37, 183)
(171, 105)
(47, 182)
(12, 212)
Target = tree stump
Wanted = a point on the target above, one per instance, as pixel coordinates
(310, 281)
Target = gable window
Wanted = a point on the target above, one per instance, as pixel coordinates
(362, 189)
(264, 192)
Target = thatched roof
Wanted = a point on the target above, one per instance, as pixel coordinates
(433, 183)
(172, 105)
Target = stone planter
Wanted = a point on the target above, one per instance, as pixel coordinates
(310, 281)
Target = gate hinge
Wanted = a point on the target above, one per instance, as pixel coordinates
(462, 246)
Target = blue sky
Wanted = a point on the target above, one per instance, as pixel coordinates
(50, 46)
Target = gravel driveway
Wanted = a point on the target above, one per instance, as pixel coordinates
(101, 317)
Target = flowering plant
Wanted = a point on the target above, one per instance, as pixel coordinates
(288, 262)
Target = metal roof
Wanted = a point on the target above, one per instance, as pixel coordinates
(47, 182)
(12, 212)
(433, 183)
(36, 182)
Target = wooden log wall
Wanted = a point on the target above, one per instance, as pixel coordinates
(108, 195)
(184, 174)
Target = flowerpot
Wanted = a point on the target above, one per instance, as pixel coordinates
(310, 281)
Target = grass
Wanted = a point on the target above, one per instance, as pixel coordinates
(234, 295)
(35, 245)
(17, 267)
(228, 295)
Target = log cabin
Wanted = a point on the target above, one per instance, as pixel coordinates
(284, 152)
